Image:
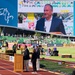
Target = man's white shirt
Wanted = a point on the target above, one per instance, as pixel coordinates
(47, 25)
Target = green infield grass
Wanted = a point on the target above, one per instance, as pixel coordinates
(62, 50)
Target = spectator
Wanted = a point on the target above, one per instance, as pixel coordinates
(14, 48)
(42, 51)
(48, 52)
(20, 18)
(55, 48)
(7, 44)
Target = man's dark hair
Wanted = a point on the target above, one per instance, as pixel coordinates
(49, 5)
(25, 46)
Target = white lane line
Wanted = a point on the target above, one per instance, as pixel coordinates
(10, 70)
(30, 66)
(5, 64)
(50, 71)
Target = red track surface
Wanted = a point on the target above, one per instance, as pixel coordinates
(7, 68)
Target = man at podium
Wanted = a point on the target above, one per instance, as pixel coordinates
(49, 23)
(26, 58)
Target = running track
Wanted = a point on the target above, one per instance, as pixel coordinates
(7, 68)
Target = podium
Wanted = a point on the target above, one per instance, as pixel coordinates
(18, 62)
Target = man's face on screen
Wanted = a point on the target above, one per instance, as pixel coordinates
(47, 12)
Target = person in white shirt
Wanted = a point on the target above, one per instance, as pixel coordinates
(49, 23)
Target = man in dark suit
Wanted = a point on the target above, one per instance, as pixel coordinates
(38, 49)
(49, 23)
(26, 58)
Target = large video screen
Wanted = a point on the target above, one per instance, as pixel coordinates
(24, 14)
(29, 11)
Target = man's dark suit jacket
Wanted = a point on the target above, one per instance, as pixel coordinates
(26, 55)
(56, 25)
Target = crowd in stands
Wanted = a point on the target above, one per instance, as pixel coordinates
(27, 40)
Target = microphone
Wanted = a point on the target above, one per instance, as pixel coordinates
(45, 28)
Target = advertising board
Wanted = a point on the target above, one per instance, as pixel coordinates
(8, 13)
